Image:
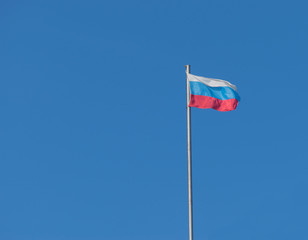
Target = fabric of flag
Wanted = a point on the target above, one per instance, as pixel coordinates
(212, 93)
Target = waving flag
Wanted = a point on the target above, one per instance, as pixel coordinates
(212, 93)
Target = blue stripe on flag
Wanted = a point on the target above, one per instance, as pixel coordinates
(223, 93)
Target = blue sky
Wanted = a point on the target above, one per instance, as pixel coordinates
(93, 120)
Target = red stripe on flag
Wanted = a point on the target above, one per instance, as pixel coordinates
(199, 101)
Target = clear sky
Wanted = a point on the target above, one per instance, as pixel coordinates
(93, 120)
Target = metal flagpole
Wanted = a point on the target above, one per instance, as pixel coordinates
(189, 170)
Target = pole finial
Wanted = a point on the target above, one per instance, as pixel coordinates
(187, 67)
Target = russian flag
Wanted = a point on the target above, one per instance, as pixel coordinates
(212, 93)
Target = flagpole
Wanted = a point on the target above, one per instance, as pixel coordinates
(189, 168)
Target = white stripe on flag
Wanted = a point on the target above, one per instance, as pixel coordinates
(211, 82)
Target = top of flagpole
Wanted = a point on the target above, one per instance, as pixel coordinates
(187, 84)
(187, 68)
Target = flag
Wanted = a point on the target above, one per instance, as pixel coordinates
(212, 93)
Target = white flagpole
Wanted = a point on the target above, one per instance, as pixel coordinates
(189, 170)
